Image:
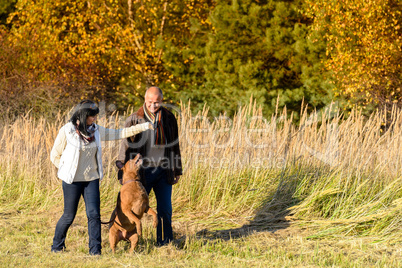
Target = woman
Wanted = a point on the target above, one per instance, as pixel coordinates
(77, 153)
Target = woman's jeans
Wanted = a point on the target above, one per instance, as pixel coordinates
(157, 179)
(72, 193)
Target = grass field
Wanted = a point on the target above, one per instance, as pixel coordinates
(325, 192)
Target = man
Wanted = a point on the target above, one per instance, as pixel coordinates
(161, 156)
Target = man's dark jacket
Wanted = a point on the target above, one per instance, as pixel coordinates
(130, 147)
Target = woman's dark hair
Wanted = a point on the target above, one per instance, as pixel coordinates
(84, 109)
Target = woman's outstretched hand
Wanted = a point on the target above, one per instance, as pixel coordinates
(150, 126)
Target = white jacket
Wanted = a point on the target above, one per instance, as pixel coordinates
(66, 149)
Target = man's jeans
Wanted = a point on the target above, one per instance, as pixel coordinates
(72, 193)
(157, 179)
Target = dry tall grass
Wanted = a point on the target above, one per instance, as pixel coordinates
(338, 172)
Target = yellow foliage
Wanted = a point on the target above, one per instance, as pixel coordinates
(364, 46)
(99, 40)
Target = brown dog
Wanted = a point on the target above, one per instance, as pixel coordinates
(132, 203)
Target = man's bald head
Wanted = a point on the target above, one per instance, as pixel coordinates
(154, 91)
(153, 99)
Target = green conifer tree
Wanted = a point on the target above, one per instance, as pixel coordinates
(249, 48)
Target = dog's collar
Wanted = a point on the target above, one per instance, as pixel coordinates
(129, 181)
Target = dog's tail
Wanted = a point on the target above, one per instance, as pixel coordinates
(112, 219)
(114, 215)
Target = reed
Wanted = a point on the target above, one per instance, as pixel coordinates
(247, 169)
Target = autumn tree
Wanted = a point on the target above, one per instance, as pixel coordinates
(364, 48)
(106, 50)
(6, 7)
(65, 48)
(154, 23)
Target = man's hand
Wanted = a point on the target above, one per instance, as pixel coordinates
(177, 178)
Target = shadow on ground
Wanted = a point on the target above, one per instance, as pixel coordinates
(273, 215)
